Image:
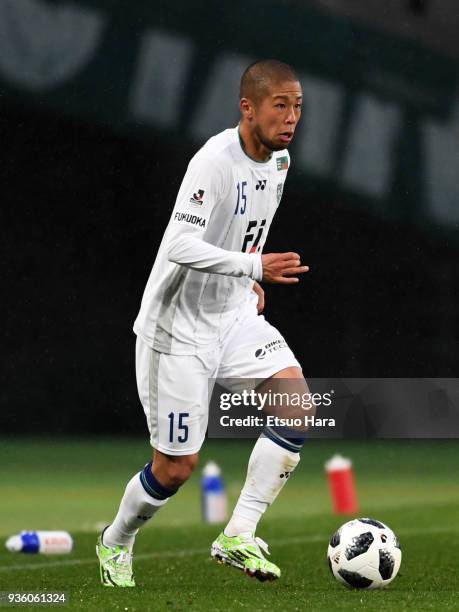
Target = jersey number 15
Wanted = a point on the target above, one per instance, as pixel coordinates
(241, 198)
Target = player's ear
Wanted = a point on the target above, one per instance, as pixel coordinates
(246, 108)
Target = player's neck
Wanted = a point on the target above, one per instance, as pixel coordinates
(252, 147)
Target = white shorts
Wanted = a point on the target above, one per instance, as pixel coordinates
(174, 389)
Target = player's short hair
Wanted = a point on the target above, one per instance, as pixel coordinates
(258, 76)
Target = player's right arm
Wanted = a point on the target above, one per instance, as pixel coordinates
(203, 187)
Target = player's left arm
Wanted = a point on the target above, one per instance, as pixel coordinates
(261, 296)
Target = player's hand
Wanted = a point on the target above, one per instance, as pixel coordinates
(282, 268)
(261, 297)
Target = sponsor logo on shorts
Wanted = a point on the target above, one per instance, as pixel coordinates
(189, 218)
(269, 348)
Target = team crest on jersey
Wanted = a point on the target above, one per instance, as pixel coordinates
(282, 163)
(197, 198)
(280, 189)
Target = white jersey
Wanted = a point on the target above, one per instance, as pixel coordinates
(210, 253)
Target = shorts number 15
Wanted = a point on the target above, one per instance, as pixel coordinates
(181, 427)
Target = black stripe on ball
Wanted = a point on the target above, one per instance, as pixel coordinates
(359, 545)
(354, 579)
(386, 564)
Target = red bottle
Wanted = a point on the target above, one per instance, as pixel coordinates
(342, 485)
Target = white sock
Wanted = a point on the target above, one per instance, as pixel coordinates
(136, 508)
(269, 468)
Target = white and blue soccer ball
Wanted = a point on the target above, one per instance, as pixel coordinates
(364, 554)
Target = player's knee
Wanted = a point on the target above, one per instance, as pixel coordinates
(290, 372)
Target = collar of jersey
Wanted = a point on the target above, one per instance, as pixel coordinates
(246, 154)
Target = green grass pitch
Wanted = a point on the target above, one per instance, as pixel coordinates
(76, 485)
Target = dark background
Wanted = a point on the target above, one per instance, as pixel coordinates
(83, 210)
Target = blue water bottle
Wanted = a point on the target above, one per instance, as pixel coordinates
(214, 499)
(46, 542)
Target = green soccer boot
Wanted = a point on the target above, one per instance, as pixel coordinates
(245, 553)
(115, 565)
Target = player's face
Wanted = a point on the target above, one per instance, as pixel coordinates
(277, 114)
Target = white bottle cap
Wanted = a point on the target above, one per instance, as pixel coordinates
(211, 469)
(14, 543)
(338, 463)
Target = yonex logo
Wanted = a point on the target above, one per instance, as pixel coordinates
(261, 184)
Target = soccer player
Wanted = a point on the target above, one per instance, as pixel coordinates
(200, 318)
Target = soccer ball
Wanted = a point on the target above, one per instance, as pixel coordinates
(364, 554)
